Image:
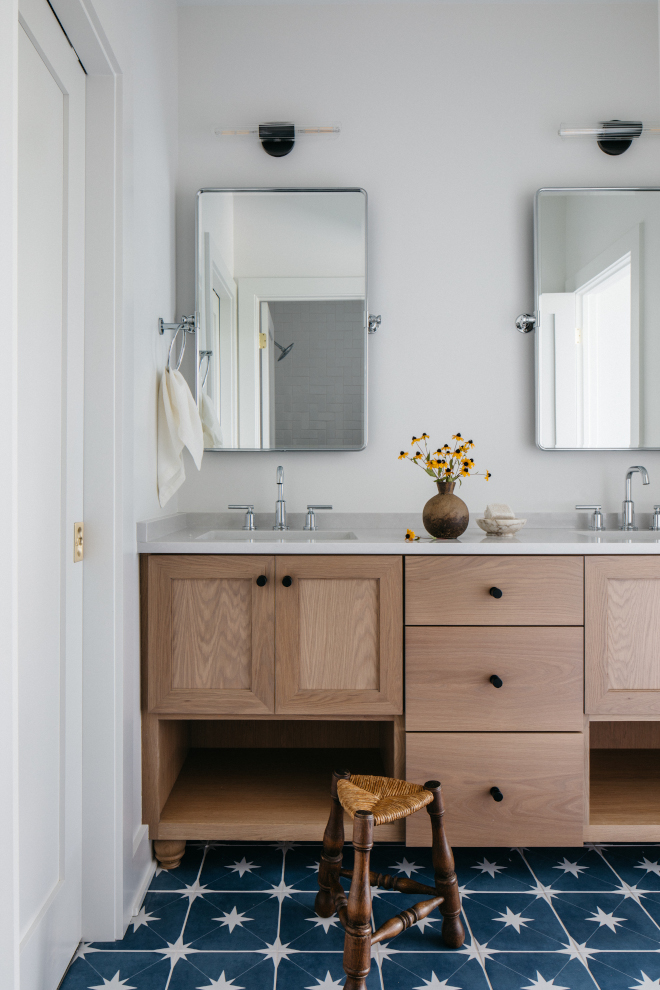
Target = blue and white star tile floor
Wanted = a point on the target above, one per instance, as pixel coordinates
(239, 916)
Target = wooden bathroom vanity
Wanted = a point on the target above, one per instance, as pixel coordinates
(264, 671)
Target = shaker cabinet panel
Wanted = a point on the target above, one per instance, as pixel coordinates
(339, 635)
(208, 634)
(622, 635)
(494, 591)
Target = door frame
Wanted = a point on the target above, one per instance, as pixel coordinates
(106, 905)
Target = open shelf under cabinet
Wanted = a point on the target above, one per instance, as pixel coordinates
(624, 803)
(262, 794)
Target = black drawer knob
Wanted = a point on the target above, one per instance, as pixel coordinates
(496, 681)
(262, 580)
(496, 794)
(287, 581)
(495, 592)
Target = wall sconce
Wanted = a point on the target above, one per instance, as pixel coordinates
(612, 136)
(277, 139)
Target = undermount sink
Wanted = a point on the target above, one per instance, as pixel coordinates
(274, 536)
(622, 536)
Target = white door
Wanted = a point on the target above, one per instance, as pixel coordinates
(267, 376)
(51, 157)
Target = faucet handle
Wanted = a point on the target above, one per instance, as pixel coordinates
(598, 520)
(249, 515)
(310, 522)
(655, 525)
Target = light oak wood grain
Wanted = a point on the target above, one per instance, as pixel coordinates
(622, 635)
(314, 734)
(212, 634)
(586, 769)
(536, 591)
(393, 747)
(540, 775)
(625, 788)
(625, 735)
(210, 629)
(448, 670)
(260, 795)
(164, 749)
(622, 833)
(339, 634)
(322, 639)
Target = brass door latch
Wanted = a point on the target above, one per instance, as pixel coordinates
(78, 541)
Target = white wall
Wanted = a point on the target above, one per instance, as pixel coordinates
(449, 117)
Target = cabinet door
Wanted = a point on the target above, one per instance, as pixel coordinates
(208, 634)
(339, 635)
(622, 635)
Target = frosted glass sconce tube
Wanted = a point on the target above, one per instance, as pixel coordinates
(277, 138)
(613, 136)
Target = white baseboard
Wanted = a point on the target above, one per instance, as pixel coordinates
(140, 837)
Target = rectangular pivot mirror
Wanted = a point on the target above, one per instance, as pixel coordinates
(598, 312)
(282, 318)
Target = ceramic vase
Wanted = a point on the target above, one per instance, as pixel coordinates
(445, 515)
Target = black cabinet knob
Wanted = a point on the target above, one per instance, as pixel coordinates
(287, 581)
(496, 794)
(496, 681)
(495, 592)
(262, 580)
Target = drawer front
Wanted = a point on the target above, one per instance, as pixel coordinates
(455, 591)
(448, 671)
(540, 775)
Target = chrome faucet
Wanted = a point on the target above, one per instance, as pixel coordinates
(628, 514)
(280, 505)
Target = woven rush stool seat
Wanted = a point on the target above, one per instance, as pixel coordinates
(386, 798)
(372, 801)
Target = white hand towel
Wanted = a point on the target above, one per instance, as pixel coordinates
(179, 426)
(210, 423)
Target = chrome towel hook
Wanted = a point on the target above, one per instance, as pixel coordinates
(187, 325)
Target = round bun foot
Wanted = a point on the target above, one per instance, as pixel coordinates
(169, 852)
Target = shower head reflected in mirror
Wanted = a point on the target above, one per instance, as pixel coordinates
(285, 350)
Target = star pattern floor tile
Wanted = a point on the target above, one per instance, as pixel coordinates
(240, 916)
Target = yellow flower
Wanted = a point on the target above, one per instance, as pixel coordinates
(465, 472)
(424, 436)
(470, 443)
(434, 464)
(417, 456)
(447, 470)
(446, 447)
(457, 436)
(488, 475)
(403, 454)
(410, 535)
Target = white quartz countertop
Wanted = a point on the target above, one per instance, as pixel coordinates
(367, 533)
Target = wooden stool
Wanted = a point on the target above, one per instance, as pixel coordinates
(373, 801)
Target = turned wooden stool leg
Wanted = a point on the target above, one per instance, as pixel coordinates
(169, 852)
(357, 943)
(446, 883)
(333, 848)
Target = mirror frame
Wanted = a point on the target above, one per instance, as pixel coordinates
(286, 189)
(537, 394)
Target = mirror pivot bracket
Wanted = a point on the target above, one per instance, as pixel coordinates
(526, 322)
